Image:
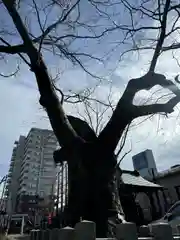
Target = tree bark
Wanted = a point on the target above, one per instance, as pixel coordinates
(93, 192)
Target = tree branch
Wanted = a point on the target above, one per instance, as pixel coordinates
(110, 135)
(173, 46)
(125, 111)
(123, 141)
(60, 124)
(54, 25)
(9, 46)
(11, 74)
(13, 49)
(162, 36)
(156, 108)
(124, 155)
(175, 7)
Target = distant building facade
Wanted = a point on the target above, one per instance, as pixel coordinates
(170, 180)
(32, 172)
(145, 164)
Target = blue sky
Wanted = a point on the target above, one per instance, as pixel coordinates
(20, 109)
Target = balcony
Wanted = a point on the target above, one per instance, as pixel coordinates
(7, 192)
(12, 163)
(8, 182)
(11, 167)
(22, 190)
(24, 167)
(23, 177)
(10, 174)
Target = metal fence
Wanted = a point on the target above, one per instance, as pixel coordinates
(86, 230)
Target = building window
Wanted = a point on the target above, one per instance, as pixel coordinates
(140, 161)
(36, 153)
(31, 185)
(41, 193)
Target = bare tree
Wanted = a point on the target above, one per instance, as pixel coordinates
(91, 159)
(95, 111)
(158, 28)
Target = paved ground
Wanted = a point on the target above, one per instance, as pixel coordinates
(18, 237)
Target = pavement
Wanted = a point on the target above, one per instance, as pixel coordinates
(18, 237)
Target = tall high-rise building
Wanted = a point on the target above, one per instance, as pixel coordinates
(32, 172)
(145, 164)
(38, 170)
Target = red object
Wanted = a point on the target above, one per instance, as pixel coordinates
(50, 219)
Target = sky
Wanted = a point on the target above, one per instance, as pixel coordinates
(20, 110)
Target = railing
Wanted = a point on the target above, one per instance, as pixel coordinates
(86, 230)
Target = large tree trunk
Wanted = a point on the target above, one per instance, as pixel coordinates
(92, 187)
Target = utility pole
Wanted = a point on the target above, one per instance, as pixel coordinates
(66, 184)
(57, 203)
(51, 200)
(62, 185)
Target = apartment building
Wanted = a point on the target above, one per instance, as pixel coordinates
(34, 176)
